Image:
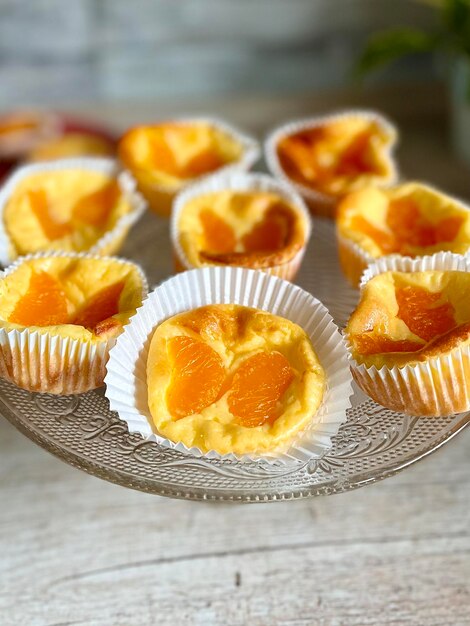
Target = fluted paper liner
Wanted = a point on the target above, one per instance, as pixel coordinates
(126, 380)
(39, 361)
(161, 197)
(434, 388)
(321, 203)
(242, 182)
(111, 240)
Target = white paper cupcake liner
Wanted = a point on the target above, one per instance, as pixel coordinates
(126, 383)
(110, 241)
(323, 203)
(242, 182)
(39, 361)
(437, 387)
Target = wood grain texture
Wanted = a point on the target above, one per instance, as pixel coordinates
(75, 550)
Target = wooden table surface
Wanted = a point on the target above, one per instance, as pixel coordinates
(75, 550)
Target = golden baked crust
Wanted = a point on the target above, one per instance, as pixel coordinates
(194, 390)
(65, 209)
(258, 230)
(339, 155)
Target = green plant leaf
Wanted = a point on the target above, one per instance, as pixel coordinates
(456, 15)
(456, 21)
(388, 46)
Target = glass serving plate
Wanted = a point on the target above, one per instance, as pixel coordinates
(372, 444)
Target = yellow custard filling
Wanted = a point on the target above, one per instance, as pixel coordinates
(173, 153)
(410, 219)
(338, 156)
(62, 210)
(86, 299)
(250, 229)
(232, 379)
(411, 317)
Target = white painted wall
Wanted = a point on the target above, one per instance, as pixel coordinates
(58, 52)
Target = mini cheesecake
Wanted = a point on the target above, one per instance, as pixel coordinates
(327, 157)
(232, 379)
(166, 157)
(72, 205)
(410, 340)
(408, 220)
(59, 316)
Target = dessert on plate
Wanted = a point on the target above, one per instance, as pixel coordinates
(72, 144)
(73, 204)
(167, 156)
(21, 131)
(232, 379)
(60, 314)
(327, 157)
(412, 220)
(409, 336)
(229, 362)
(241, 219)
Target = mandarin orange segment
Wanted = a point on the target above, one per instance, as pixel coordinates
(44, 304)
(270, 233)
(94, 208)
(374, 344)
(313, 156)
(297, 159)
(354, 159)
(408, 227)
(418, 308)
(38, 202)
(218, 235)
(197, 376)
(258, 386)
(202, 163)
(104, 304)
(448, 228)
(161, 157)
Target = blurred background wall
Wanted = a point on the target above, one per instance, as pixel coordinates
(60, 53)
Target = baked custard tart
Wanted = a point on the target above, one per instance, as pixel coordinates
(72, 144)
(232, 379)
(410, 336)
(21, 131)
(59, 316)
(412, 220)
(327, 157)
(240, 219)
(72, 204)
(166, 157)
